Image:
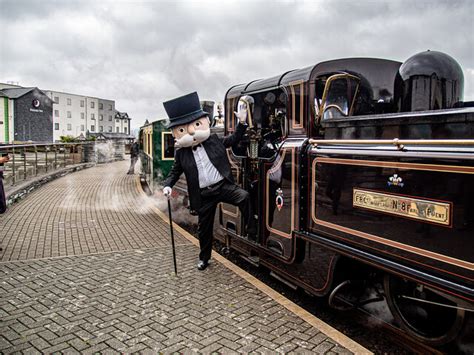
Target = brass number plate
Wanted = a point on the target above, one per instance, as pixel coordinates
(425, 210)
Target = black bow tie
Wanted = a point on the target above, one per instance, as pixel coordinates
(196, 146)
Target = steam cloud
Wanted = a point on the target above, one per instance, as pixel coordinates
(180, 213)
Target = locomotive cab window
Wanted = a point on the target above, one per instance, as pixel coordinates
(339, 96)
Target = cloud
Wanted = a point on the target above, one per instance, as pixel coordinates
(141, 53)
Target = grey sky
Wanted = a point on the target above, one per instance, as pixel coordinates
(141, 53)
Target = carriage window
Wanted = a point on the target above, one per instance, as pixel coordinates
(339, 96)
(167, 146)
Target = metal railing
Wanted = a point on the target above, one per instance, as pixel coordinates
(31, 160)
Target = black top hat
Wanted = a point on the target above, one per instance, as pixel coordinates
(184, 109)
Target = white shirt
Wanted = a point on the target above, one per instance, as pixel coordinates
(207, 172)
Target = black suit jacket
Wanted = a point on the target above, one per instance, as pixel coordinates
(216, 150)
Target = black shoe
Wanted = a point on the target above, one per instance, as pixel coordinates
(202, 264)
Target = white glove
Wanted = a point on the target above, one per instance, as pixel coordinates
(241, 115)
(167, 191)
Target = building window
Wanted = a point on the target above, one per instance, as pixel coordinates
(110, 117)
(101, 106)
(101, 117)
(56, 113)
(56, 126)
(56, 99)
(101, 129)
(117, 129)
(82, 103)
(92, 116)
(82, 127)
(69, 127)
(69, 102)
(69, 114)
(82, 115)
(124, 129)
(117, 121)
(110, 107)
(92, 128)
(92, 104)
(110, 129)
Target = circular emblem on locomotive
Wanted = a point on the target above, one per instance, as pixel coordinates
(36, 103)
(279, 199)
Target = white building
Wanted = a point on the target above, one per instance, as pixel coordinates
(74, 115)
(106, 116)
(122, 122)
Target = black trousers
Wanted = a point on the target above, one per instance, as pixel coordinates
(3, 202)
(228, 193)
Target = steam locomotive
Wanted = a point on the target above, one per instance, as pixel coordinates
(362, 168)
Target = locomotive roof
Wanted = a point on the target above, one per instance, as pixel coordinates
(380, 73)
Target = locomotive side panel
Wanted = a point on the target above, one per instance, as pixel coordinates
(411, 210)
(280, 203)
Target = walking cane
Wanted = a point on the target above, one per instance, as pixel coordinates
(172, 237)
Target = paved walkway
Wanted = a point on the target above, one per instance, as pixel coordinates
(87, 267)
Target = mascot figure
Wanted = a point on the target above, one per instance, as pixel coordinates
(202, 157)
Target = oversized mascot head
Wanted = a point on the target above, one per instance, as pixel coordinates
(188, 122)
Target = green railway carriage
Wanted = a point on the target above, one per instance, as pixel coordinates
(156, 152)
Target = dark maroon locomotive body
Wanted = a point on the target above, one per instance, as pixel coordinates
(360, 166)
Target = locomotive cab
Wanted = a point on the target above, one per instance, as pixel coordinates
(260, 147)
(267, 125)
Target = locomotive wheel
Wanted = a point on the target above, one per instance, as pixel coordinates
(430, 323)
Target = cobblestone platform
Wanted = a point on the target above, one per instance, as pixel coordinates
(87, 267)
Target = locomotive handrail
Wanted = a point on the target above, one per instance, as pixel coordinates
(399, 143)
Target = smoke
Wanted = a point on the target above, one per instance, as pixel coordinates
(379, 310)
(110, 197)
(467, 348)
(70, 200)
(179, 210)
(109, 151)
(138, 165)
(104, 151)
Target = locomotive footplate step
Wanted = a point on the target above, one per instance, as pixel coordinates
(113, 287)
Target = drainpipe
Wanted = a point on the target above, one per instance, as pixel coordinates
(86, 103)
(7, 119)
